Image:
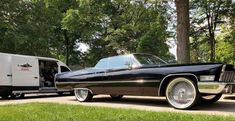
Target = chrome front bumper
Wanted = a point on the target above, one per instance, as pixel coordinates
(215, 87)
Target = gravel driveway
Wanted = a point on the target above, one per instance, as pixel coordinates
(225, 106)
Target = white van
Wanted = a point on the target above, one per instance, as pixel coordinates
(20, 74)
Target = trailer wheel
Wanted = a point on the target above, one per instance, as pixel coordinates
(5, 96)
(17, 95)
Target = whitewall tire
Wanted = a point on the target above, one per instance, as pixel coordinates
(83, 95)
(182, 93)
(209, 99)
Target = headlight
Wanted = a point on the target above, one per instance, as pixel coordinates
(207, 78)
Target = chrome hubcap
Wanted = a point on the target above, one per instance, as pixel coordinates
(181, 93)
(81, 95)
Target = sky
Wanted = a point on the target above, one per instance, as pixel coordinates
(173, 50)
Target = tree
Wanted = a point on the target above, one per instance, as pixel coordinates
(54, 28)
(63, 6)
(225, 51)
(183, 48)
(116, 27)
(206, 18)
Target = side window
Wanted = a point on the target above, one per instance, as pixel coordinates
(64, 69)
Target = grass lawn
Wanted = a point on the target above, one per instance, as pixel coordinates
(65, 112)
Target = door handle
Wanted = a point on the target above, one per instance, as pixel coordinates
(36, 77)
(9, 75)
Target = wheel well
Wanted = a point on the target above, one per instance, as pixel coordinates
(166, 81)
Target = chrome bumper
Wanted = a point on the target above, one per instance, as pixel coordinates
(215, 87)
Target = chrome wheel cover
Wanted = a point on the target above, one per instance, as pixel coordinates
(181, 93)
(81, 94)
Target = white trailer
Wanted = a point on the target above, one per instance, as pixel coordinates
(20, 74)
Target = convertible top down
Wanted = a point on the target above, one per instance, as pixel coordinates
(147, 75)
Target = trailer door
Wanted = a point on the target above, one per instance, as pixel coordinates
(25, 73)
(5, 70)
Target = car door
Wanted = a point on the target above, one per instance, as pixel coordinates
(94, 81)
(25, 73)
(121, 79)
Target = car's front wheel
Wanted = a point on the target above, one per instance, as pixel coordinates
(116, 97)
(83, 95)
(209, 99)
(182, 93)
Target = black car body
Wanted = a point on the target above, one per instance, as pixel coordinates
(147, 75)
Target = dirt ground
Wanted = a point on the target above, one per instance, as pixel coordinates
(225, 106)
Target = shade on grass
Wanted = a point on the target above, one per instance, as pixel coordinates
(65, 112)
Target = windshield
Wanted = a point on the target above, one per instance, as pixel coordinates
(115, 62)
(102, 64)
(145, 59)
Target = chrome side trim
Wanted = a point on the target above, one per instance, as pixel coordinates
(107, 82)
(169, 75)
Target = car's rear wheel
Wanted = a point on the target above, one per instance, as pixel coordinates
(116, 97)
(182, 93)
(209, 99)
(83, 95)
(71, 93)
(60, 93)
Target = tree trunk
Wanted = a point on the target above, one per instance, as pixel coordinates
(212, 44)
(66, 47)
(183, 48)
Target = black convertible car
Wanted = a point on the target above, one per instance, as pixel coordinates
(147, 75)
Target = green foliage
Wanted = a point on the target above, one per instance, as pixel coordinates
(29, 29)
(226, 49)
(154, 41)
(55, 27)
(208, 17)
(115, 27)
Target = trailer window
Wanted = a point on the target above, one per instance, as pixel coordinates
(64, 69)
